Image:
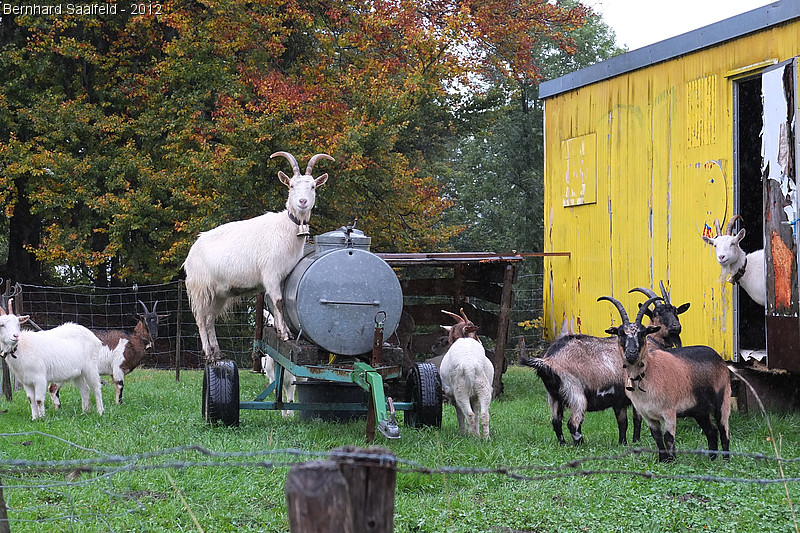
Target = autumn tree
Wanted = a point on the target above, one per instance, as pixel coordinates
(497, 172)
(122, 136)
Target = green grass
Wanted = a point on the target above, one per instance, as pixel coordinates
(167, 493)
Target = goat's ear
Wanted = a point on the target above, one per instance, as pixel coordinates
(162, 317)
(652, 329)
(613, 330)
(708, 240)
(24, 318)
(283, 177)
(320, 181)
(683, 308)
(740, 235)
(447, 328)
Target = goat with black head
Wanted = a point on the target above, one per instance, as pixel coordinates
(664, 384)
(664, 315)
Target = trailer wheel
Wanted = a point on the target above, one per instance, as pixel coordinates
(221, 393)
(424, 387)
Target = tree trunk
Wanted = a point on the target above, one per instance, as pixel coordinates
(24, 229)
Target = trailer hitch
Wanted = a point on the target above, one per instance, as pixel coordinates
(368, 379)
(388, 427)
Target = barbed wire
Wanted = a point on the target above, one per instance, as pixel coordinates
(107, 465)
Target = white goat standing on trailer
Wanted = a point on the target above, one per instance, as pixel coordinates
(68, 352)
(467, 376)
(737, 267)
(122, 352)
(249, 256)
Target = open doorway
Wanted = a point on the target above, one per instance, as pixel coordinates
(749, 319)
(765, 194)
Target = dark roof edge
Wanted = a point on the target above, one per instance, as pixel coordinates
(752, 21)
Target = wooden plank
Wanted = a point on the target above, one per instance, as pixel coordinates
(428, 287)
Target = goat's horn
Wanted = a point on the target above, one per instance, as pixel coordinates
(644, 307)
(155, 305)
(2, 311)
(458, 318)
(664, 293)
(11, 306)
(622, 313)
(292, 160)
(716, 225)
(644, 290)
(143, 306)
(464, 315)
(314, 160)
(731, 223)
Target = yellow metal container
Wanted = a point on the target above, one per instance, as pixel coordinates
(639, 162)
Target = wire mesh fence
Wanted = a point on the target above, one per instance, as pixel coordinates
(179, 342)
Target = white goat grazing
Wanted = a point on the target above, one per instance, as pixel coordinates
(737, 267)
(467, 376)
(248, 256)
(68, 352)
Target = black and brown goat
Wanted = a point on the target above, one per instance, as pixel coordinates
(664, 384)
(583, 373)
(664, 315)
(122, 351)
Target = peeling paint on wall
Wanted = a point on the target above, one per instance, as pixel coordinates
(782, 259)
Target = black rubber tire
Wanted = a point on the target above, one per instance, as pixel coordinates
(424, 388)
(221, 393)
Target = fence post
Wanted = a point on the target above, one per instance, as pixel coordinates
(350, 492)
(6, 378)
(178, 321)
(4, 525)
(503, 320)
(259, 332)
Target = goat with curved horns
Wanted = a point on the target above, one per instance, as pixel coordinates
(250, 256)
(664, 315)
(737, 267)
(691, 381)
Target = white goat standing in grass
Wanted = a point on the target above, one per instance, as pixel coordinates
(737, 267)
(249, 256)
(68, 352)
(122, 352)
(467, 376)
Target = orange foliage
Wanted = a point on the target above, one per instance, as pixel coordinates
(153, 128)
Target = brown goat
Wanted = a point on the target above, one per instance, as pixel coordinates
(122, 352)
(664, 384)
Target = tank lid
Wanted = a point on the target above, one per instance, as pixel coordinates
(342, 238)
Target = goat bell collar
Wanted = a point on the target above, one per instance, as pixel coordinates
(12, 352)
(635, 382)
(739, 273)
(303, 230)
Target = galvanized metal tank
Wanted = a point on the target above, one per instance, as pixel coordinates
(334, 293)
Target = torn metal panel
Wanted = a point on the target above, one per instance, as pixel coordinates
(778, 171)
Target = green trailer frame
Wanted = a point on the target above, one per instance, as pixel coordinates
(423, 405)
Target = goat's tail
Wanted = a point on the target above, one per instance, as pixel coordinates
(551, 379)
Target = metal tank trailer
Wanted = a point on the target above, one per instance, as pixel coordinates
(342, 303)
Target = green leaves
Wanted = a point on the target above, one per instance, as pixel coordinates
(128, 135)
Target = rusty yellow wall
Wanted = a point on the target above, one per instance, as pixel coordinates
(635, 168)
